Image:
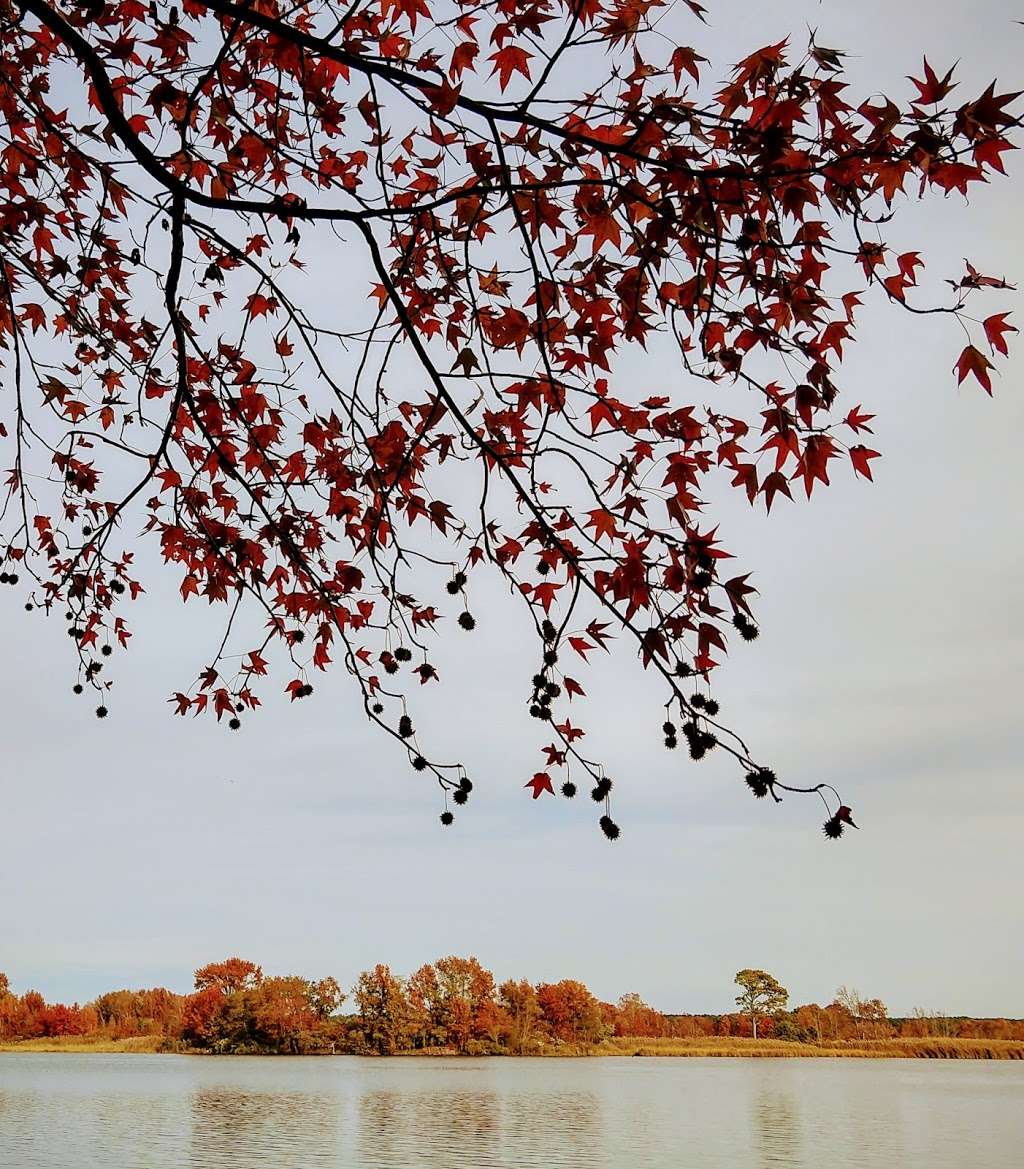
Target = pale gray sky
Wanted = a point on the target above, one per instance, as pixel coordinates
(890, 661)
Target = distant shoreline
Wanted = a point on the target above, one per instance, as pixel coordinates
(701, 1048)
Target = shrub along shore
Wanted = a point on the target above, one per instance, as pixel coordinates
(454, 1007)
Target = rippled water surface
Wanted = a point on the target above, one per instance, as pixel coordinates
(180, 1112)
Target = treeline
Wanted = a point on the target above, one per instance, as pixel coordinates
(453, 1004)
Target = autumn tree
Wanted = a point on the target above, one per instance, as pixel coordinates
(761, 994)
(870, 1015)
(139, 1012)
(8, 1006)
(454, 1000)
(325, 996)
(196, 201)
(229, 976)
(199, 1014)
(571, 1013)
(384, 1009)
(522, 1014)
(634, 1017)
(281, 1010)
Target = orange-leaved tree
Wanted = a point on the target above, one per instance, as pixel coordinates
(518, 194)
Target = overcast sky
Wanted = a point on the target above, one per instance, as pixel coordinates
(133, 850)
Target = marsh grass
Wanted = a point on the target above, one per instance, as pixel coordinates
(709, 1046)
(96, 1045)
(726, 1046)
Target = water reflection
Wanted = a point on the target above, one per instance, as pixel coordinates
(457, 1128)
(289, 1130)
(777, 1123)
(153, 1112)
(554, 1129)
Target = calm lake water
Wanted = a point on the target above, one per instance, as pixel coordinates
(167, 1112)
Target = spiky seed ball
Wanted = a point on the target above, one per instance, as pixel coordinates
(749, 633)
(552, 690)
(447, 818)
(698, 700)
(568, 789)
(78, 688)
(705, 560)
(234, 723)
(547, 630)
(596, 795)
(460, 796)
(28, 606)
(419, 763)
(550, 657)
(405, 726)
(101, 712)
(683, 670)
(689, 728)
(697, 748)
(545, 699)
(700, 580)
(711, 707)
(403, 654)
(239, 707)
(426, 672)
(535, 711)
(538, 681)
(709, 741)
(307, 690)
(739, 620)
(466, 621)
(299, 636)
(3, 578)
(769, 776)
(833, 828)
(107, 650)
(466, 783)
(545, 713)
(543, 567)
(13, 578)
(377, 708)
(671, 742)
(86, 530)
(669, 728)
(609, 827)
(390, 666)
(757, 784)
(452, 587)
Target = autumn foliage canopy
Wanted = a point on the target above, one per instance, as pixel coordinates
(514, 196)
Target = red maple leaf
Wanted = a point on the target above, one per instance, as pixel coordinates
(541, 782)
(509, 60)
(860, 456)
(996, 329)
(972, 360)
(932, 90)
